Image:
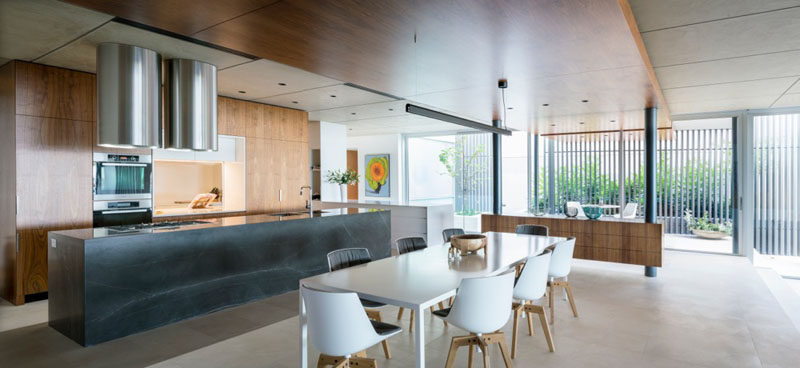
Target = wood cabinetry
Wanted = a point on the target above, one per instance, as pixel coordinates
(50, 150)
(277, 154)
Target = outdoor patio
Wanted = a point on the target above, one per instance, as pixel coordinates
(693, 243)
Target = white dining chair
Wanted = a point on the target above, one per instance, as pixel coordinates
(482, 306)
(560, 265)
(349, 257)
(339, 328)
(531, 286)
(407, 245)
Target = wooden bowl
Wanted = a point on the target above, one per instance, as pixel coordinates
(468, 243)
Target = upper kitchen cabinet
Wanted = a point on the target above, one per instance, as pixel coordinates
(292, 125)
(231, 116)
(56, 93)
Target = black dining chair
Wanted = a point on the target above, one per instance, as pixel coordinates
(529, 229)
(349, 257)
(447, 233)
(406, 245)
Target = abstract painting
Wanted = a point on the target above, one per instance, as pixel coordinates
(377, 175)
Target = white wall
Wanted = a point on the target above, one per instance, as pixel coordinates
(333, 156)
(376, 144)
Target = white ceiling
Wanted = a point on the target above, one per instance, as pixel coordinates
(718, 55)
(32, 28)
(80, 54)
(260, 78)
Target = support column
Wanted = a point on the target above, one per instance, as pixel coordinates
(650, 139)
(497, 169)
(534, 155)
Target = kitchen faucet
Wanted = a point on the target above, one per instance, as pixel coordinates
(308, 201)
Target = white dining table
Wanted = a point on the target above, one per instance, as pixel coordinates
(420, 279)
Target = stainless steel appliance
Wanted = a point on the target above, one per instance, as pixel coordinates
(128, 96)
(122, 177)
(123, 189)
(116, 213)
(190, 114)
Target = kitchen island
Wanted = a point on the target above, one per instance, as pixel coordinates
(107, 283)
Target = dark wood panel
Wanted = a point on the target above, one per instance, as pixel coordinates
(8, 221)
(54, 182)
(195, 15)
(263, 175)
(54, 92)
(352, 164)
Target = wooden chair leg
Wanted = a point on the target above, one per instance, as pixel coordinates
(514, 332)
(441, 306)
(485, 350)
(504, 352)
(530, 320)
(568, 289)
(400, 312)
(363, 362)
(471, 358)
(552, 309)
(384, 343)
(451, 355)
(411, 323)
(452, 298)
(546, 330)
(431, 309)
(341, 364)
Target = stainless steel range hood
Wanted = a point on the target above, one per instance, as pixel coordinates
(128, 96)
(191, 107)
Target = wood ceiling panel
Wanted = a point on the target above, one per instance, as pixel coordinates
(179, 16)
(658, 14)
(449, 52)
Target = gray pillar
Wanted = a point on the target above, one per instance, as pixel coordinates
(497, 169)
(535, 174)
(650, 139)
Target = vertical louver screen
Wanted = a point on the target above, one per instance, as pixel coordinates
(776, 150)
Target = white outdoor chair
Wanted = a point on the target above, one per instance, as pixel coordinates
(560, 264)
(340, 330)
(530, 286)
(629, 211)
(482, 307)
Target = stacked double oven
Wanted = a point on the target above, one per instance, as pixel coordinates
(123, 189)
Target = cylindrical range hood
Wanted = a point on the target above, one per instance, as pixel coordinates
(191, 114)
(128, 96)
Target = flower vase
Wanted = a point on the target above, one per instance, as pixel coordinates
(343, 192)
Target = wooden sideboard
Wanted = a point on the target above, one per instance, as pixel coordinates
(609, 240)
(47, 115)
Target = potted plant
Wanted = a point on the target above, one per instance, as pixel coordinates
(343, 178)
(704, 228)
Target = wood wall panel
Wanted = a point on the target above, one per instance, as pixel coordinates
(352, 164)
(8, 220)
(231, 119)
(54, 181)
(54, 92)
(610, 241)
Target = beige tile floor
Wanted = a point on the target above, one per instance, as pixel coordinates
(696, 244)
(701, 311)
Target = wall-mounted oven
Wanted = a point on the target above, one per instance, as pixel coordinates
(122, 177)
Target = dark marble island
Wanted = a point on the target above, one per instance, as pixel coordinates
(105, 286)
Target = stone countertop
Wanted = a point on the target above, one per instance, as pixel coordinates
(385, 203)
(102, 232)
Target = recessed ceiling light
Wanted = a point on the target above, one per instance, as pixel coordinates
(581, 123)
(613, 121)
(545, 105)
(333, 96)
(242, 92)
(584, 101)
(552, 125)
(511, 108)
(294, 102)
(391, 109)
(352, 113)
(281, 84)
